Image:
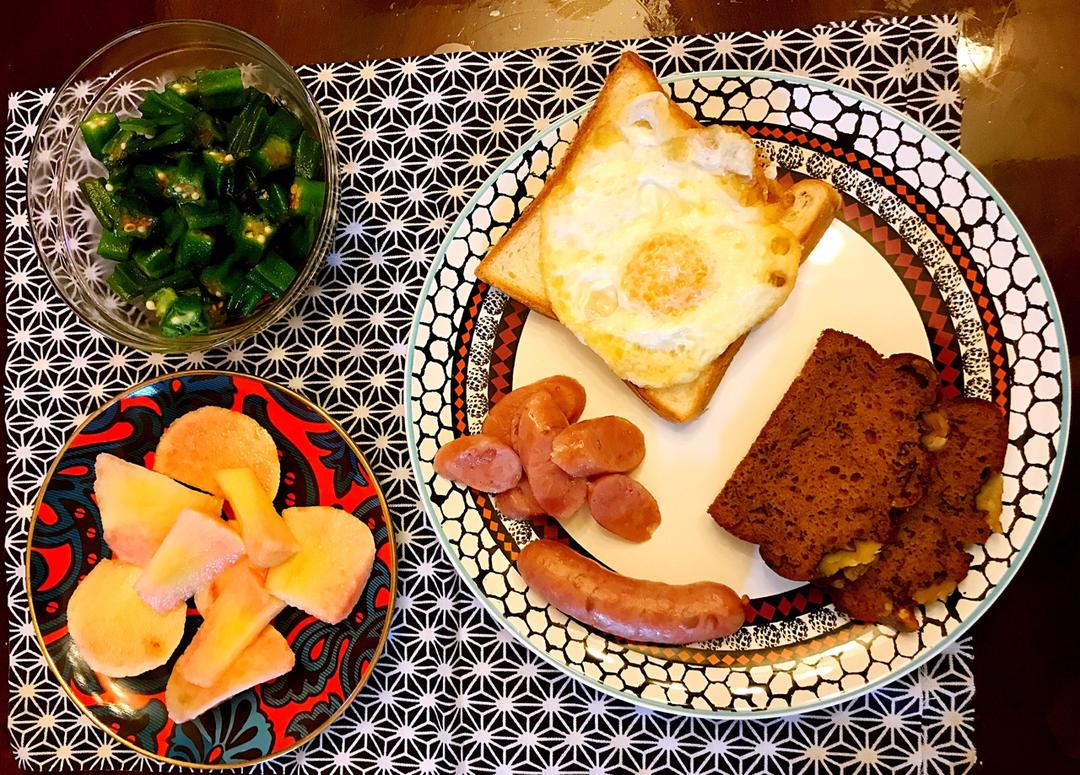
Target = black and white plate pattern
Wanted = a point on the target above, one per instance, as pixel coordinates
(454, 691)
(966, 273)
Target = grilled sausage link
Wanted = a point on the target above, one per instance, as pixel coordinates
(635, 609)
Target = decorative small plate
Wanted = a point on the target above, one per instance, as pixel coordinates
(924, 257)
(319, 466)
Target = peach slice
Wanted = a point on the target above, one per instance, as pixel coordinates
(211, 438)
(267, 540)
(268, 657)
(206, 596)
(116, 632)
(325, 578)
(138, 506)
(194, 552)
(236, 618)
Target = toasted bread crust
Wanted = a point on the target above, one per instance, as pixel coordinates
(630, 68)
(809, 211)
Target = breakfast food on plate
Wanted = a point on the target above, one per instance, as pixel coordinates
(866, 482)
(200, 443)
(567, 463)
(206, 596)
(519, 502)
(138, 507)
(268, 657)
(196, 549)
(567, 392)
(551, 458)
(624, 507)
(535, 429)
(242, 610)
(482, 462)
(602, 445)
(840, 450)
(325, 578)
(114, 630)
(267, 540)
(926, 559)
(127, 617)
(213, 198)
(630, 608)
(659, 243)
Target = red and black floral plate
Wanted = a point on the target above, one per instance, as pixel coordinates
(319, 466)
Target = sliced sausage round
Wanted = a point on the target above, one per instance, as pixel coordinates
(636, 609)
(602, 445)
(519, 502)
(558, 493)
(624, 507)
(482, 462)
(567, 392)
(535, 428)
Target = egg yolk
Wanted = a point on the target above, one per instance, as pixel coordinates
(667, 274)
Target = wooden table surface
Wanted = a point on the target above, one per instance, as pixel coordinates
(1019, 75)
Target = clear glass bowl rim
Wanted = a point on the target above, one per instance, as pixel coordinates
(271, 313)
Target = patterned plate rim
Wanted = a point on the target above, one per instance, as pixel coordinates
(392, 566)
(842, 695)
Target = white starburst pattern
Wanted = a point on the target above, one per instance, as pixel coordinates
(453, 691)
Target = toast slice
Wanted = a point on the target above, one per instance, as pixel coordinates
(513, 263)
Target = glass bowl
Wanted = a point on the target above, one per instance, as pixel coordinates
(114, 80)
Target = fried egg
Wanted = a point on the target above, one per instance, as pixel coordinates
(658, 247)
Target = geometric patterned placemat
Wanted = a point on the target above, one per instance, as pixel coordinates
(453, 692)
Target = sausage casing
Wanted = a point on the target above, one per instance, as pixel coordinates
(602, 445)
(536, 425)
(567, 392)
(482, 462)
(624, 507)
(635, 609)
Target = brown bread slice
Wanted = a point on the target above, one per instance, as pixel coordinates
(926, 558)
(840, 451)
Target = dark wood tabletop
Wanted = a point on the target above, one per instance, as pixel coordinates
(1021, 80)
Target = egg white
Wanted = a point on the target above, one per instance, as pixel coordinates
(650, 255)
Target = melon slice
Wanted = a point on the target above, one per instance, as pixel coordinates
(267, 540)
(236, 618)
(194, 552)
(211, 438)
(139, 506)
(116, 632)
(268, 657)
(325, 578)
(206, 596)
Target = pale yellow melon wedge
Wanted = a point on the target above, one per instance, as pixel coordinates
(211, 438)
(267, 540)
(325, 578)
(138, 506)
(114, 630)
(268, 657)
(206, 596)
(236, 618)
(195, 551)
